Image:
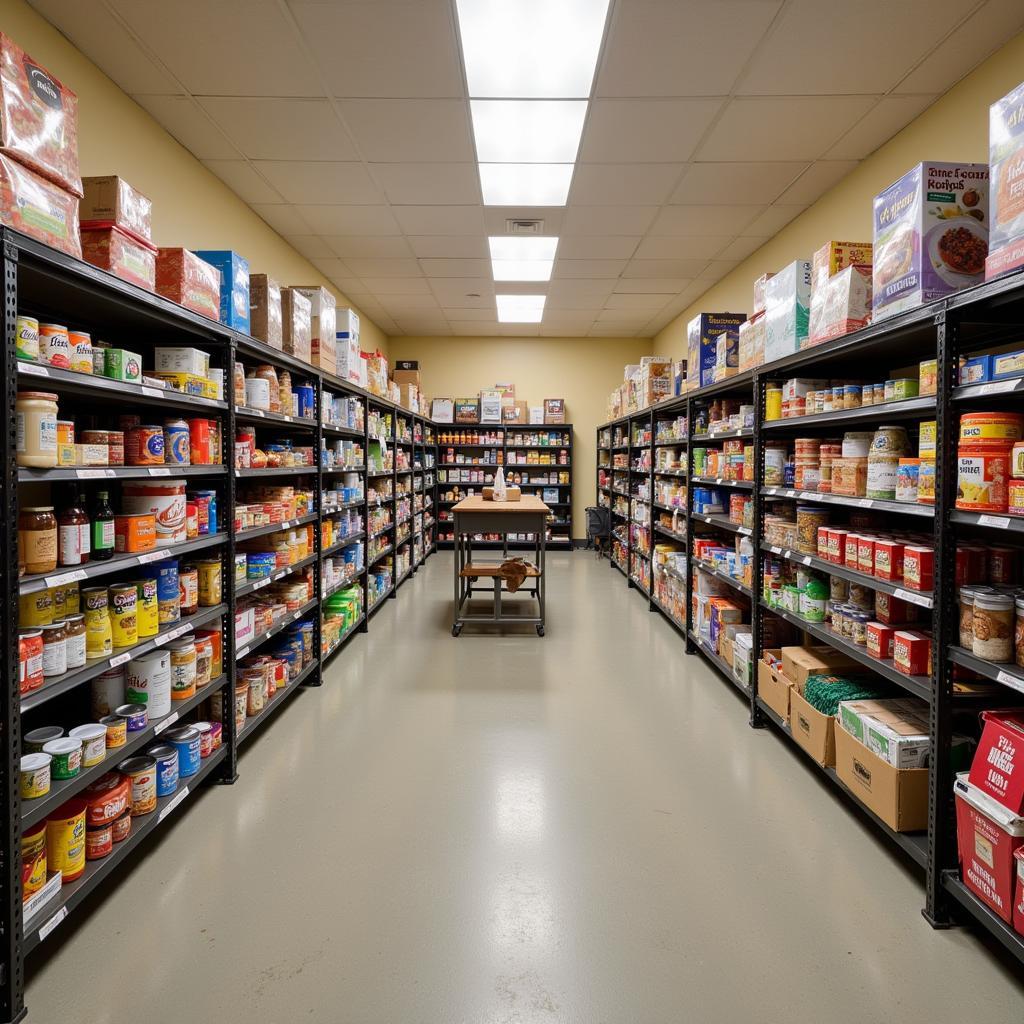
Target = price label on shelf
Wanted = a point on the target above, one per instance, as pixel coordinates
(288, 419)
(66, 577)
(865, 503)
(241, 653)
(179, 796)
(775, 551)
(159, 471)
(180, 631)
(257, 412)
(120, 659)
(151, 556)
(153, 392)
(912, 597)
(997, 387)
(260, 584)
(165, 723)
(1015, 682)
(33, 368)
(90, 474)
(52, 923)
(999, 522)
(806, 560)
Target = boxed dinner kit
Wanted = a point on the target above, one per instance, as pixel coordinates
(185, 278)
(323, 308)
(930, 235)
(1006, 186)
(234, 286)
(702, 334)
(467, 410)
(296, 324)
(787, 310)
(265, 310)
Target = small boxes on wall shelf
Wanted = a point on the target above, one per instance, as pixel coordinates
(536, 414)
(323, 312)
(442, 410)
(518, 412)
(554, 410)
(703, 332)
(350, 364)
(185, 278)
(265, 310)
(296, 324)
(490, 406)
(234, 286)
(788, 310)
(467, 410)
(347, 323)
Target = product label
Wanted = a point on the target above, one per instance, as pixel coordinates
(70, 540)
(102, 535)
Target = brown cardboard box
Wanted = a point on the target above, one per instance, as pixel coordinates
(773, 688)
(554, 410)
(800, 662)
(110, 199)
(265, 310)
(899, 796)
(812, 730)
(403, 377)
(409, 397)
(323, 326)
(725, 650)
(296, 324)
(519, 412)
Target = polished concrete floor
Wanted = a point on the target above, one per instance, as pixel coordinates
(578, 829)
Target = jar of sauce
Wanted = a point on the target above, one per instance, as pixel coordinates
(73, 538)
(55, 649)
(37, 540)
(74, 628)
(36, 444)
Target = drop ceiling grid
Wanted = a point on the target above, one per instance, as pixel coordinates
(354, 142)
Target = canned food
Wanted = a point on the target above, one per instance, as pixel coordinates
(121, 828)
(144, 446)
(183, 669)
(38, 738)
(136, 716)
(99, 842)
(166, 757)
(65, 840)
(141, 772)
(27, 331)
(35, 775)
(80, 351)
(93, 738)
(176, 442)
(210, 583)
(117, 730)
(147, 608)
(107, 799)
(67, 757)
(123, 621)
(33, 860)
(186, 741)
(205, 739)
(188, 590)
(54, 346)
(30, 660)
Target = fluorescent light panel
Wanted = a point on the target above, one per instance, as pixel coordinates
(527, 131)
(522, 259)
(531, 48)
(525, 184)
(520, 309)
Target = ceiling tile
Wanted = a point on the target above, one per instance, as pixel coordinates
(457, 247)
(794, 128)
(383, 49)
(824, 48)
(650, 131)
(330, 267)
(436, 184)
(399, 305)
(320, 182)
(383, 286)
(578, 294)
(667, 248)
(272, 128)
(741, 248)
(623, 301)
(454, 267)
(890, 115)
(377, 246)
(717, 269)
(395, 131)
(464, 292)
(486, 314)
(440, 220)
(980, 35)
(623, 184)
(189, 124)
(617, 247)
(695, 221)
(284, 219)
(774, 219)
(310, 246)
(638, 268)
(565, 318)
(754, 183)
(240, 177)
(681, 48)
(608, 220)
(573, 331)
(816, 181)
(593, 269)
(350, 220)
(665, 286)
(190, 37)
(367, 268)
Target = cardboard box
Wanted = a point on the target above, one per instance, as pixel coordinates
(703, 332)
(787, 312)
(554, 410)
(751, 342)
(409, 397)
(181, 360)
(234, 286)
(490, 406)
(759, 293)
(517, 413)
(894, 730)
(349, 363)
(898, 796)
(185, 278)
(1006, 187)
(930, 235)
(655, 380)
(841, 305)
(111, 200)
(835, 256)
(296, 324)
(811, 730)
(119, 364)
(442, 410)
(467, 410)
(323, 309)
(774, 688)
(346, 322)
(402, 377)
(265, 310)
(537, 414)
(800, 662)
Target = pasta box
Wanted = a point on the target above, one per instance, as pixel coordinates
(998, 766)
(1006, 161)
(930, 235)
(702, 334)
(234, 286)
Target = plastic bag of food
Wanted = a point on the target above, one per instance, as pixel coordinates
(38, 118)
(37, 207)
(122, 254)
(182, 276)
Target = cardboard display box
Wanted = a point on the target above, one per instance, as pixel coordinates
(800, 662)
(899, 796)
(554, 410)
(516, 413)
(111, 200)
(324, 326)
(297, 324)
(490, 406)
(467, 410)
(442, 410)
(265, 310)
(811, 730)
(774, 688)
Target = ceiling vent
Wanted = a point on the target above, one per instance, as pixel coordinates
(524, 227)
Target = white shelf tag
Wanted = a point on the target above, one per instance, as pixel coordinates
(775, 550)
(120, 659)
(865, 503)
(242, 653)
(159, 471)
(999, 522)
(90, 474)
(165, 724)
(174, 803)
(806, 560)
(39, 371)
(52, 923)
(1015, 682)
(996, 387)
(152, 392)
(66, 577)
(151, 556)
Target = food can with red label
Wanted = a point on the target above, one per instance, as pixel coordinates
(144, 445)
(99, 842)
(200, 432)
(80, 351)
(30, 660)
(54, 346)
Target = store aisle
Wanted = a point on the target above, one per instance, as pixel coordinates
(505, 831)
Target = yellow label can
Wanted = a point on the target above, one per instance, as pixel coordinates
(147, 608)
(123, 615)
(210, 583)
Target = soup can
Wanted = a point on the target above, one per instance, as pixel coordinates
(166, 757)
(141, 772)
(144, 445)
(117, 730)
(99, 842)
(168, 592)
(27, 331)
(54, 346)
(80, 351)
(148, 682)
(183, 668)
(123, 621)
(188, 590)
(176, 442)
(186, 741)
(205, 731)
(211, 587)
(147, 608)
(33, 859)
(65, 840)
(108, 692)
(135, 716)
(121, 828)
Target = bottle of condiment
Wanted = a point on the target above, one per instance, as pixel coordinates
(74, 535)
(102, 528)
(37, 540)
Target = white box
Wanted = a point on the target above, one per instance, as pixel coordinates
(536, 413)
(181, 360)
(490, 406)
(245, 627)
(347, 323)
(349, 358)
(787, 313)
(442, 410)
(364, 372)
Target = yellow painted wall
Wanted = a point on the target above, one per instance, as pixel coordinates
(954, 128)
(191, 207)
(583, 371)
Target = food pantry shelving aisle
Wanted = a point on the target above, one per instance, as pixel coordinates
(971, 321)
(42, 282)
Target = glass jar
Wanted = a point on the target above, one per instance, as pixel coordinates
(993, 626)
(37, 540)
(967, 595)
(73, 543)
(36, 444)
(74, 627)
(55, 649)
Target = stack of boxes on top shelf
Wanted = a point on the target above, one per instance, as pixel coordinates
(495, 405)
(646, 383)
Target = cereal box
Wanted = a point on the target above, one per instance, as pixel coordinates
(787, 310)
(1006, 160)
(931, 235)
(703, 332)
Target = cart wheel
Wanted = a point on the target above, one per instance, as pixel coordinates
(540, 631)
(456, 630)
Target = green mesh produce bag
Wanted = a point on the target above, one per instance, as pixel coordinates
(824, 692)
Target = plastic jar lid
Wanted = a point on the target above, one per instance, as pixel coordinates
(33, 762)
(65, 745)
(993, 601)
(92, 731)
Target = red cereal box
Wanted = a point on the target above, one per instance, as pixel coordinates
(866, 553)
(998, 765)
(38, 118)
(837, 544)
(894, 611)
(912, 652)
(851, 554)
(122, 254)
(35, 206)
(918, 567)
(888, 560)
(183, 277)
(880, 640)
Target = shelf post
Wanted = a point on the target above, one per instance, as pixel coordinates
(757, 719)
(315, 678)
(691, 647)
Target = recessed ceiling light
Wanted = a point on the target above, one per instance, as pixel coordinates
(522, 270)
(537, 247)
(527, 131)
(525, 184)
(520, 309)
(531, 48)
